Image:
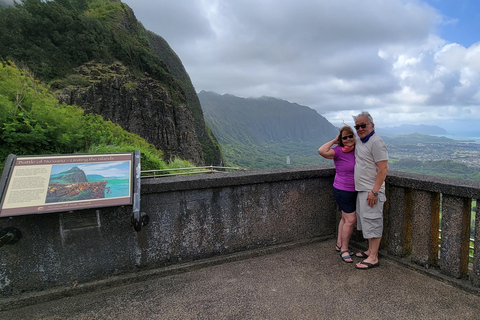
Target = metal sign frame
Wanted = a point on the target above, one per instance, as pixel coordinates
(54, 183)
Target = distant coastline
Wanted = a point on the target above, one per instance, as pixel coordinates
(462, 136)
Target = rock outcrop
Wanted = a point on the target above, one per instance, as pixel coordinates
(139, 105)
(159, 103)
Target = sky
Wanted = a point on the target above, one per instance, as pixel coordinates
(106, 169)
(404, 61)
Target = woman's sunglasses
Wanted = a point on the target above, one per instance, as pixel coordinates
(347, 137)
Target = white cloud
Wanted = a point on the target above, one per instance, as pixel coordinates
(106, 169)
(6, 2)
(338, 57)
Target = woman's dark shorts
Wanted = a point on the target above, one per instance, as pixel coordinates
(346, 200)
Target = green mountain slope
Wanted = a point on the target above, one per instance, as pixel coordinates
(32, 121)
(262, 133)
(54, 39)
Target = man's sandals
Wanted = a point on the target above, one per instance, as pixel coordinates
(368, 265)
(362, 255)
(347, 258)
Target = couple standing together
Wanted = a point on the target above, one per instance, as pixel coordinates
(361, 165)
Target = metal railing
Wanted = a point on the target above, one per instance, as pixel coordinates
(471, 245)
(185, 171)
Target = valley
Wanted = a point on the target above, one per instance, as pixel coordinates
(269, 133)
(448, 158)
(463, 152)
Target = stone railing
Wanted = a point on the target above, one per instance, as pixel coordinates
(417, 207)
(190, 217)
(201, 216)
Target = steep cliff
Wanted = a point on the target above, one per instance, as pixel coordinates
(97, 55)
(162, 107)
(140, 105)
(210, 146)
(264, 119)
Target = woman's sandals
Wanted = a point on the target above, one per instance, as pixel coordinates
(347, 258)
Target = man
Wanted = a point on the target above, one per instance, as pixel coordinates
(371, 166)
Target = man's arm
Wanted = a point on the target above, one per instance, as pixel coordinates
(380, 178)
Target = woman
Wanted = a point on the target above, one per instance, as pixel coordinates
(343, 156)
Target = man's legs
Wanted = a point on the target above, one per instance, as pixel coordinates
(372, 228)
(372, 252)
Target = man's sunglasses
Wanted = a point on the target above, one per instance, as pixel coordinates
(347, 137)
(363, 126)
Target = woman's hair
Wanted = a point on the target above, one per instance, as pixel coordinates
(347, 129)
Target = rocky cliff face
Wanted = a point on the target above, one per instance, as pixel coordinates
(210, 145)
(140, 105)
(160, 104)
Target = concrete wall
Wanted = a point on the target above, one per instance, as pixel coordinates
(194, 217)
(191, 217)
(417, 207)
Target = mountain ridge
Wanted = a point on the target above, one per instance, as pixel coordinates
(263, 132)
(411, 129)
(269, 119)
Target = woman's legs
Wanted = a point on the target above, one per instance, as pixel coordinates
(340, 234)
(347, 223)
(346, 200)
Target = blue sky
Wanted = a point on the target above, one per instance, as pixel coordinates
(105, 169)
(461, 20)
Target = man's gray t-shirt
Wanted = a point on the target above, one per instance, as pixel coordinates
(366, 156)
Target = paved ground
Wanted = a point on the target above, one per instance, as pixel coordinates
(306, 282)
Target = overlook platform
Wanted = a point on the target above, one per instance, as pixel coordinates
(302, 280)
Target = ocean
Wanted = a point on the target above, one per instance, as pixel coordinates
(117, 188)
(462, 136)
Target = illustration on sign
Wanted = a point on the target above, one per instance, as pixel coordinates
(88, 181)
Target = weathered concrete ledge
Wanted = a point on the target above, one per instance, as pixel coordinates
(417, 208)
(191, 218)
(239, 178)
(454, 187)
(217, 215)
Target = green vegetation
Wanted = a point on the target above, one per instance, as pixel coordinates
(441, 168)
(262, 133)
(33, 122)
(273, 155)
(414, 138)
(52, 38)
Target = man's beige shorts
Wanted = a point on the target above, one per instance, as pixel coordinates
(370, 220)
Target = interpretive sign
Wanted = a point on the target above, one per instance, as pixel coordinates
(51, 183)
